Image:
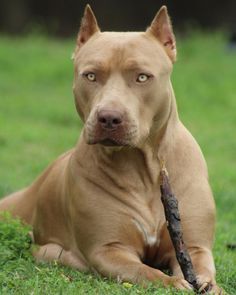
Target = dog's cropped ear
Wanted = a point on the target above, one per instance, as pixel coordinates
(88, 26)
(161, 28)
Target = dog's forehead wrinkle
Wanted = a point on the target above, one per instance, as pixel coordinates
(125, 51)
(123, 64)
(110, 50)
(94, 64)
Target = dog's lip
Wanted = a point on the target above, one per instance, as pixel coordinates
(107, 142)
(110, 142)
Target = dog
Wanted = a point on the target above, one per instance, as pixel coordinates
(97, 207)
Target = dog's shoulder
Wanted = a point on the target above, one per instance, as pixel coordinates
(187, 152)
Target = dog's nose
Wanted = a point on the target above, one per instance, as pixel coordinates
(109, 119)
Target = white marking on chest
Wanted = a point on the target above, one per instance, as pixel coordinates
(150, 240)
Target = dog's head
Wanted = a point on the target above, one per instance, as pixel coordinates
(122, 80)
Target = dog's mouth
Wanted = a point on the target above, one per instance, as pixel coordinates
(120, 135)
(110, 142)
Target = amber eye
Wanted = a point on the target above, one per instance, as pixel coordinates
(142, 78)
(90, 76)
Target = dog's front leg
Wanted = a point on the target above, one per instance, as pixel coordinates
(203, 265)
(120, 263)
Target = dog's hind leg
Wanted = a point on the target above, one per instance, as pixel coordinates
(20, 204)
(53, 252)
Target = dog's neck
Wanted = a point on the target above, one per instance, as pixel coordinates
(165, 140)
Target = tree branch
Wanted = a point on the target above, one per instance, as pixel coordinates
(172, 215)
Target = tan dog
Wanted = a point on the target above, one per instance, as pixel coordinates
(98, 206)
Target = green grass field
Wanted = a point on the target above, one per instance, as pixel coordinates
(38, 122)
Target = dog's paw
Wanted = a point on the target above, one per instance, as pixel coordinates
(178, 283)
(207, 285)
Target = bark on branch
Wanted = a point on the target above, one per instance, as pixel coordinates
(172, 215)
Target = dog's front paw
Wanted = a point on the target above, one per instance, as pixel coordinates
(178, 283)
(208, 285)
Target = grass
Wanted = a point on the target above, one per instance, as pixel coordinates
(38, 122)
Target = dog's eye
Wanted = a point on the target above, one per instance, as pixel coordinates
(142, 78)
(90, 76)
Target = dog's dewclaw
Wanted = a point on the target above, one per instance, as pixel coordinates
(172, 215)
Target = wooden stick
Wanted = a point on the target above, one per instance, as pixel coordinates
(172, 215)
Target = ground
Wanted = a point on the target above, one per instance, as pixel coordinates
(39, 122)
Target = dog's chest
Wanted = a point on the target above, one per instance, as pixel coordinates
(149, 225)
(150, 233)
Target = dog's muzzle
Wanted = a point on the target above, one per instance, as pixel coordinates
(110, 129)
